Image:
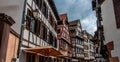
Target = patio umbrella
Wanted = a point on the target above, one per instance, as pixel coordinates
(44, 50)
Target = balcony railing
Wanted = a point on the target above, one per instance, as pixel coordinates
(81, 46)
(87, 58)
(91, 50)
(92, 57)
(86, 51)
(80, 55)
(86, 43)
(34, 40)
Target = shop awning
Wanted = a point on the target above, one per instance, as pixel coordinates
(44, 50)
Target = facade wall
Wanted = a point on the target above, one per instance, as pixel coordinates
(12, 47)
(34, 36)
(13, 8)
(89, 51)
(5, 23)
(110, 30)
(77, 40)
(64, 37)
(79, 48)
(39, 30)
(86, 49)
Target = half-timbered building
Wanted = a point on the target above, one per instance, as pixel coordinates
(65, 44)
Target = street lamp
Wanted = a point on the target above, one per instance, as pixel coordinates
(36, 13)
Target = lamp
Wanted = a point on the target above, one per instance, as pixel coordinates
(36, 13)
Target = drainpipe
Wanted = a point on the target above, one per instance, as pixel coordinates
(75, 49)
(22, 30)
(99, 32)
(97, 5)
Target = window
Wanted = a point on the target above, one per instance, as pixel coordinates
(37, 27)
(1, 25)
(41, 30)
(44, 33)
(30, 21)
(79, 51)
(72, 31)
(116, 4)
(39, 3)
(50, 19)
(55, 27)
(60, 22)
(28, 18)
(53, 24)
(78, 41)
(30, 57)
(50, 38)
(44, 10)
(62, 43)
(41, 59)
(58, 31)
(86, 55)
(29, 12)
(86, 47)
(55, 43)
(32, 24)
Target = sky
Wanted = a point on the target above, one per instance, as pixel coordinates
(78, 9)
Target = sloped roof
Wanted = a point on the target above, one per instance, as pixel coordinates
(54, 9)
(75, 22)
(63, 16)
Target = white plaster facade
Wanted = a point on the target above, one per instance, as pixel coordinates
(111, 32)
(13, 8)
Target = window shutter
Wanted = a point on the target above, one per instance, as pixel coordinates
(41, 30)
(32, 26)
(37, 27)
(116, 4)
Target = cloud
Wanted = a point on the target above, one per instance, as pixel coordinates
(63, 5)
(89, 23)
(78, 9)
(75, 8)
